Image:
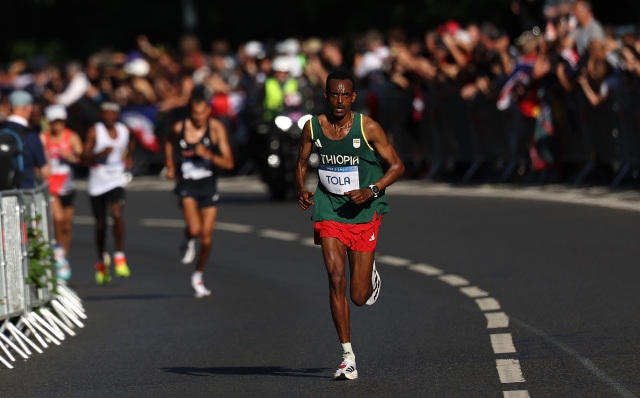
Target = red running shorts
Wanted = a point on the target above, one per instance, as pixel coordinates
(361, 237)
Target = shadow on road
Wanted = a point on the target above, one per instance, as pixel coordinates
(249, 370)
(137, 297)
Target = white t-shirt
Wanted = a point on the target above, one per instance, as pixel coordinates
(108, 173)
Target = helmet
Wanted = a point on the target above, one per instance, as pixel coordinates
(281, 64)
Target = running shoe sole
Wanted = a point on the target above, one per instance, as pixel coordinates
(346, 376)
(376, 282)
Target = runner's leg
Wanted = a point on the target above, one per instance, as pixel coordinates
(57, 211)
(191, 215)
(117, 213)
(67, 231)
(99, 208)
(208, 216)
(334, 253)
(361, 264)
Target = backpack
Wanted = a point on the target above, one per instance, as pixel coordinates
(11, 159)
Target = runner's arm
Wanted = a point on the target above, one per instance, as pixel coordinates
(76, 146)
(225, 159)
(378, 139)
(168, 150)
(304, 197)
(131, 148)
(88, 157)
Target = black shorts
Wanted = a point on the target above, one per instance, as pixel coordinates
(99, 203)
(207, 197)
(68, 200)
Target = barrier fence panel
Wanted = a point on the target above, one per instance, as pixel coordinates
(14, 237)
(31, 316)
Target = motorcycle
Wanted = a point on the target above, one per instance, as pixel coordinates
(281, 144)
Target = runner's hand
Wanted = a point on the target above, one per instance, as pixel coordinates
(305, 199)
(360, 196)
(170, 173)
(202, 151)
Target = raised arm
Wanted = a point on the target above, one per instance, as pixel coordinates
(304, 197)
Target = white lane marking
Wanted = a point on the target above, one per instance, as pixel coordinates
(473, 291)
(426, 269)
(391, 260)
(280, 235)
(509, 371)
(623, 392)
(516, 394)
(177, 223)
(310, 242)
(88, 220)
(488, 304)
(233, 227)
(162, 222)
(454, 280)
(502, 343)
(497, 320)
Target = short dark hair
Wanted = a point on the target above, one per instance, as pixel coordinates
(340, 75)
(199, 94)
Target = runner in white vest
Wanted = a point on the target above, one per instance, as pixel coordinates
(109, 151)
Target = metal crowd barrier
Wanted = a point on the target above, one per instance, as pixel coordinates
(474, 133)
(31, 317)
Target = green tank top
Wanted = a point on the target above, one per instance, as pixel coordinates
(345, 165)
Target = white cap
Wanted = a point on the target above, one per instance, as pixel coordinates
(254, 49)
(137, 67)
(110, 106)
(55, 112)
(281, 64)
(288, 46)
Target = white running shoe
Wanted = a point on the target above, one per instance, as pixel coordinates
(198, 286)
(188, 250)
(346, 371)
(376, 282)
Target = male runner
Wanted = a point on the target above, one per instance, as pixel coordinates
(349, 201)
(199, 143)
(109, 151)
(64, 148)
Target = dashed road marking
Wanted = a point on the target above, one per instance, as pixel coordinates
(426, 269)
(88, 220)
(488, 304)
(280, 235)
(391, 260)
(473, 292)
(496, 320)
(233, 227)
(454, 280)
(509, 371)
(502, 343)
(162, 222)
(516, 394)
(309, 242)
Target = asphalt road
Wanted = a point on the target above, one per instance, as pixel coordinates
(564, 277)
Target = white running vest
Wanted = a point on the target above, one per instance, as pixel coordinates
(108, 173)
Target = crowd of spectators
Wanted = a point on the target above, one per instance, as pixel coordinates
(570, 51)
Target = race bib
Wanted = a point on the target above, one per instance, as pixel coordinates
(190, 171)
(339, 180)
(111, 171)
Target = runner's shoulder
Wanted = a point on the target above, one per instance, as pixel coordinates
(370, 127)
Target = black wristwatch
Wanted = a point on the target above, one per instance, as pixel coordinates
(375, 190)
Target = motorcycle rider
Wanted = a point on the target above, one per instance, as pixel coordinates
(281, 91)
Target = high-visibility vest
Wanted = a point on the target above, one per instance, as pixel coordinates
(275, 93)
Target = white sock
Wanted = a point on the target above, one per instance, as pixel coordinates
(118, 254)
(197, 276)
(347, 351)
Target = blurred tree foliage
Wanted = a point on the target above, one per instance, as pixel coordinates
(76, 28)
